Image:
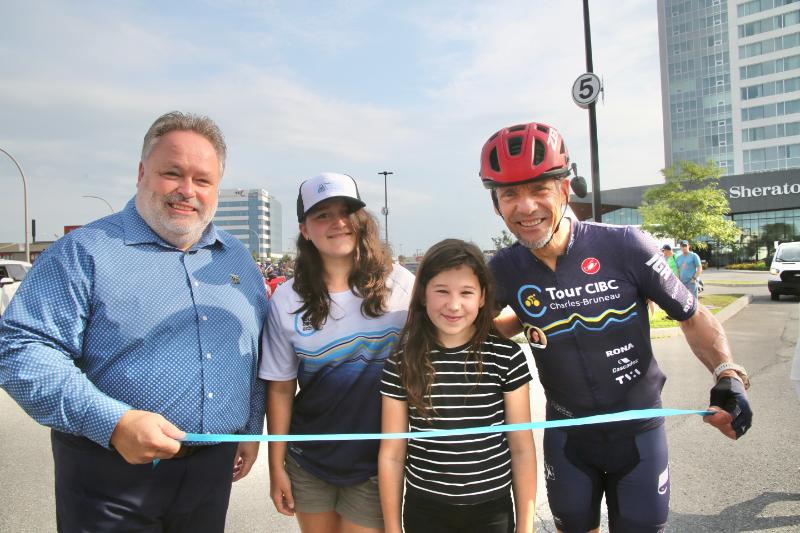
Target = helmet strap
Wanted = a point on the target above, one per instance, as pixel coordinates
(558, 224)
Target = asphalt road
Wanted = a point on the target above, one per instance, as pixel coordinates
(717, 485)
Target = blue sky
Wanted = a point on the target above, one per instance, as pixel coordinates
(304, 87)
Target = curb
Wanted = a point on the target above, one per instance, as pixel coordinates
(722, 316)
(745, 284)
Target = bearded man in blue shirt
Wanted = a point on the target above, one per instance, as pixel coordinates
(134, 329)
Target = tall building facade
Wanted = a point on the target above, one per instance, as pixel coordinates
(730, 83)
(730, 88)
(254, 217)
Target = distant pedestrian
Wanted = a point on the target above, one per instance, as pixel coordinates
(689, 267)
(669, 255)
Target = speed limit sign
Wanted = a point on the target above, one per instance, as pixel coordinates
(586, 89)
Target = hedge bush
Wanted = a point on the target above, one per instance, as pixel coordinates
(758, 265)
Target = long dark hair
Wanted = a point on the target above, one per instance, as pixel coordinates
(419, 336)
(372, 263)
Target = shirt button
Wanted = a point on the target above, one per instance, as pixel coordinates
(208, 355)
(204, 317)
(210, 394)
(196, 283)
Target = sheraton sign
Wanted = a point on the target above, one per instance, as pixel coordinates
(772, 190)
(743, 191)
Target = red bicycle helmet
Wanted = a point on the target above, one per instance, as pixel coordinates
(523, 153)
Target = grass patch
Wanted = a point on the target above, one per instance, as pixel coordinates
(714, 302)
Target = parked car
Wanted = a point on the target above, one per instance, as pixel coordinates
(785, 270)
(11, 275)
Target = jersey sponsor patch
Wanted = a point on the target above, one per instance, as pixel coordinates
(590, 266)
(658, 263)
(663, 481)
(530, 300)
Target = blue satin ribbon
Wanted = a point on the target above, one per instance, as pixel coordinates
(596, 419)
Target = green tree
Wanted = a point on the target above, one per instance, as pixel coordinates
(689, 205)
(505, 239)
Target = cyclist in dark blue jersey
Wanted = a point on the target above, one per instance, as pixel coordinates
(580, 290)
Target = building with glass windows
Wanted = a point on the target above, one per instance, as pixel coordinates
(730, 86)
(254, 217)
(730, 83)
(765, 206)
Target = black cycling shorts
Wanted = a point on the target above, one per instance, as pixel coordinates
(632, 472)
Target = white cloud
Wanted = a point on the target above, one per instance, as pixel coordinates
(287, 85)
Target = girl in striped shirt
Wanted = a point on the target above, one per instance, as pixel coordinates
(453, 371)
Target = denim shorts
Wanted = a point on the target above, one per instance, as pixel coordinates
(360, 503)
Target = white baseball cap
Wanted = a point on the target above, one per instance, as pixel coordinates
(327, 185)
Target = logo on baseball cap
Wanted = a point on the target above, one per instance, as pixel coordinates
(327, 185)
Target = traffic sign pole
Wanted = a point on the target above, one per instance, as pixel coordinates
(587, 35)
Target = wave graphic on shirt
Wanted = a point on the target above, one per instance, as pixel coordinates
(590, 323)
(361, 347)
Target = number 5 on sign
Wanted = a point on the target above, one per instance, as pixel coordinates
(586, 89)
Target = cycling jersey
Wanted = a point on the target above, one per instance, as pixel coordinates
(598, 357)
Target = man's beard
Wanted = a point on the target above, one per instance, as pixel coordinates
(544, 241)
(154, 211)
(535, 245)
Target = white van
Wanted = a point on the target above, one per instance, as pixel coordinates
(11, 275)
(785, 270)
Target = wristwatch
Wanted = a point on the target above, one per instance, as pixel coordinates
(739, 369)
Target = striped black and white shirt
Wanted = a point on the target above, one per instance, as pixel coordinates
(464, 469)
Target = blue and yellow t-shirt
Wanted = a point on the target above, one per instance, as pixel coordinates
(338, 370)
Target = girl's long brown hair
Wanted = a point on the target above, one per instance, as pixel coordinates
(372, 264)
(419, 336)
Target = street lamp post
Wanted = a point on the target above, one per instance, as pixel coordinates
(25, 205)
(385, 209)
(258, 242)
(101, 199)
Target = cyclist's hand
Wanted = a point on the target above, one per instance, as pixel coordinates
(735, 417)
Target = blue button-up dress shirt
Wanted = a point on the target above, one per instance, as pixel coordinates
(111, 318)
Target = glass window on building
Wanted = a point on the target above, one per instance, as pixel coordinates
(625, 216)
(759, 231)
